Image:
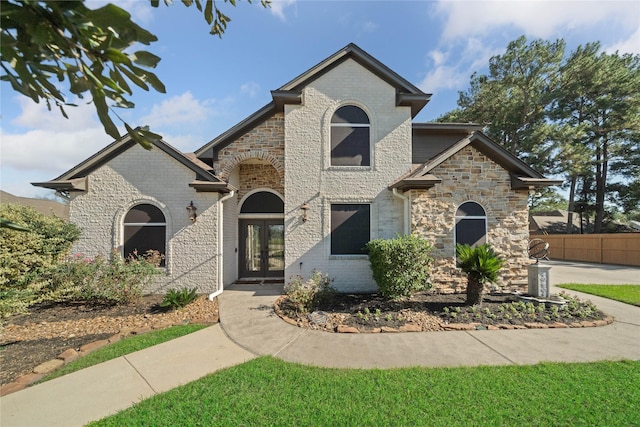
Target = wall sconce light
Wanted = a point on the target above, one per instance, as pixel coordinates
(192, 212)
(305, 208)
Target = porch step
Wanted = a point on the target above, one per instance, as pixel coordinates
(270, 281)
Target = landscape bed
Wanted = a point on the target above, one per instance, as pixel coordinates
(427, 311)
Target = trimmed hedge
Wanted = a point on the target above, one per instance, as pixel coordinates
(401, 266)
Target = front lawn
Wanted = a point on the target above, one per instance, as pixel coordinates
(629, 294)
(267, 391)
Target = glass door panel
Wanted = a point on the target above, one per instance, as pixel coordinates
(253, 248)
(261, 248)
(275, 247)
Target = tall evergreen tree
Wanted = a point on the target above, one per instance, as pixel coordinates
(599, 95)
(512, 99)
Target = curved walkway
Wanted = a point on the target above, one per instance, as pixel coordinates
(249, 327)
(247, 318)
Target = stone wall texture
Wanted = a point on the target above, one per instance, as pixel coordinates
(254, 176)
(141, 176)
(469, 175)
(264, 143)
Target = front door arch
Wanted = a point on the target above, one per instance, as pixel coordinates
(261, 226)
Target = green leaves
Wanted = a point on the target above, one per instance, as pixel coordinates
(87, 49)
(67, 41)
(576, 115)
(400, 266)
(480, 262)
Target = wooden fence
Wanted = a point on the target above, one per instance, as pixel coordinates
(621, 249)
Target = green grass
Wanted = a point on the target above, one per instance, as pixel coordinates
(125, 346)
(267, 391)
(629, 294)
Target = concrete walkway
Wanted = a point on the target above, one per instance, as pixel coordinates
(248, 320)
(93, 393)
(249, 328)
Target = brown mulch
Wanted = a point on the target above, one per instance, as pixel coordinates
(426, 311)
(27, 340)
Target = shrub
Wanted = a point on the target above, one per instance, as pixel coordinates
(25, 254)
(179, 298)
(481, 264)
(98, 280)
(307, 295)
(401, 266)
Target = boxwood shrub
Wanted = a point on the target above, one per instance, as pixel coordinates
(401, 266)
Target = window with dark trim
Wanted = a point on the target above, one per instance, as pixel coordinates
(350, 139)
(350, 228)
(262, 202)
(144, 230)
(471, 224)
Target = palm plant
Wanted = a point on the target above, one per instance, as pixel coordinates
(481, 265)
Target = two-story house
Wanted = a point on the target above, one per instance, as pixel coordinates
(334, 161)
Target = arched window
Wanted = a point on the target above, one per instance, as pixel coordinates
(471, 224)
(262, 202)
(350, 137)
(144, 230)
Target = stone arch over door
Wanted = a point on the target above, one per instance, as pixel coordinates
(261, 234)
(246, 157)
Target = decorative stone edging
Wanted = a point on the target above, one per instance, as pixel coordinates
(71, 355)
(412, 327)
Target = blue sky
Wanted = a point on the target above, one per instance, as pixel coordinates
(214, 83)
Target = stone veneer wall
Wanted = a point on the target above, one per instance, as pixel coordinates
(254, 176)
(471, 176)
(265, 143)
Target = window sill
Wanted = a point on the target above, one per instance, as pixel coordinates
(350, 168)
(348, 257)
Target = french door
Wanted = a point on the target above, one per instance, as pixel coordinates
(261, 248)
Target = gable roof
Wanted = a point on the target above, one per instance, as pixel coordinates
(75, 179)
(522, 175)
(291, 93)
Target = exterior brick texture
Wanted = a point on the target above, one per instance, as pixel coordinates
(310, 178)
(290, 154)
(469, 175)
(141, 176)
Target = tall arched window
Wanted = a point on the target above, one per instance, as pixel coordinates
(471, 224)
(350, 137)
(144, 229)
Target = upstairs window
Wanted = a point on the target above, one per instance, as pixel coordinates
(144, 230)
(350, 137)
(471, 224)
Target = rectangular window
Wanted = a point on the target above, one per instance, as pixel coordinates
(350, 228)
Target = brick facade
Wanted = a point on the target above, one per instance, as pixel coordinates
(290, 153)
(191, 258)
(310, 178)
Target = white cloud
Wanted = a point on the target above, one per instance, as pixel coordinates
(37, 116)
(278, 6)
(250, 89)
(451, 68)
(178, 110)
(51, 143)
(369, 27)
(50, 151)
(630, 45)
(539, 19)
